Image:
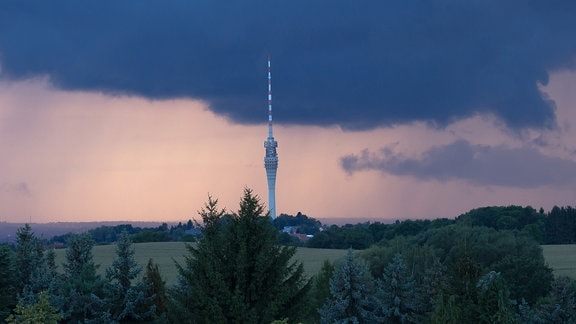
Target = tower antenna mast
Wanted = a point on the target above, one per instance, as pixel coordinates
(271, 158)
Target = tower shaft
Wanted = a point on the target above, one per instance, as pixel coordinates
(271, 157)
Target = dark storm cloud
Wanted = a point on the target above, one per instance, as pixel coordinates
(358, 64)
(476, 164)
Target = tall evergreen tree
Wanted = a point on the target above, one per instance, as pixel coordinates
(125, 297)
(351, 294)
(237, 272)
(396, 293)
(155, 291)
(29, 254)
(43, 279)
(7, 286)
(321, 288)
(82, 289)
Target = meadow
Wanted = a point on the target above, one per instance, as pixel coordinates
(562, 258)
(165, 253)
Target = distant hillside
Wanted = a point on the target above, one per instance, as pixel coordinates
(48, 230)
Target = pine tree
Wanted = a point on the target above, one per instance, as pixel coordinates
(396, 293)
(321, 288)
(81, 290)
(351, 294)
(124, 297)
(29, 253)
(7, 286)
(237, 272)
(155, 290)
(43, 279)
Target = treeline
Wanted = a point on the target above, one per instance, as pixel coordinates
(186, 232)
(555, 227)
(441, 271)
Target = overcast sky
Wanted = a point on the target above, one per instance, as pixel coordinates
(137, 110)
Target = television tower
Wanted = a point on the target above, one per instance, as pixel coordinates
(271, 158)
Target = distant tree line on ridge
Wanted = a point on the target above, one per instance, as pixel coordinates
(557, 226)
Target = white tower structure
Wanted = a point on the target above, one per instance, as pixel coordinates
(271, 158)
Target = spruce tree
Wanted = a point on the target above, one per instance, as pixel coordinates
(125, 297)
(237, 272)
(321, 288)
(29, 254)
(82, 289)
(396, 293)
(351, 294)
(43, 279)
(155, 292)
(7, 286)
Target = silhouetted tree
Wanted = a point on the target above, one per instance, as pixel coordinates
(155, 290)
(29, 254)
(237, 272)
(321, 288)
(82, 289)
(125, 296)
(7, 285)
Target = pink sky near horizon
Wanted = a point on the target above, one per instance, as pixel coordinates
(80, 156)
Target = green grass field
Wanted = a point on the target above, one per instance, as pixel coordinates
(562, 258)
(165, 253)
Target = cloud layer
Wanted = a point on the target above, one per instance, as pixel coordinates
(355, 64)
(476, 164)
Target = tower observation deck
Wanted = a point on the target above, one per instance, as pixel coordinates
(271, 158)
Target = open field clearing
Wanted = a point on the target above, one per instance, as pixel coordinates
(165, 253)
(562, 258)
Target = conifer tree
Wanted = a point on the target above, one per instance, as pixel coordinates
(237, 272)
(155, 291)
(125, 297)
(321, 288)
(29, 254)
(43, 279)
(351, 294)
(396, 293)
(82, 289)
(7, 286)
